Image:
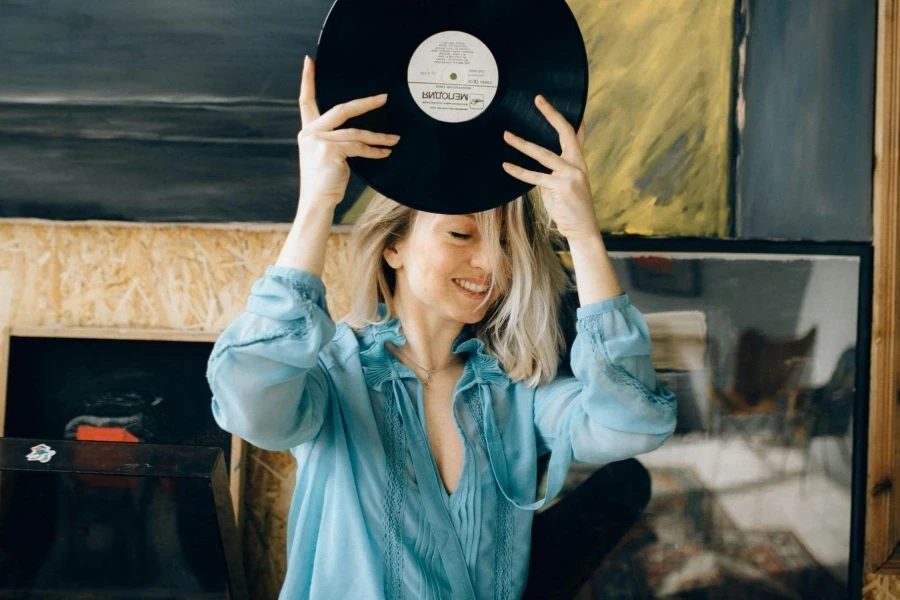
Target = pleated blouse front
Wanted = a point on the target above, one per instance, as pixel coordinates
(471, 526)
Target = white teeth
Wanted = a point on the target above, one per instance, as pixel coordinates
(478, 289)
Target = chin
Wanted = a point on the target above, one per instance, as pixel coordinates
(477, 315)
(477, 318)
(464, 314)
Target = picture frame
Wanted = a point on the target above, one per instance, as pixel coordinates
(762, 305)
(84, 389)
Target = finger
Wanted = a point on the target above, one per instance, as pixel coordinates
(547, 158)
(360, 135)
(309, 110)
(559, 122)
(340, 114)
(532, 177)
(353, 149)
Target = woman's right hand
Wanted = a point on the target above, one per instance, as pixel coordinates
(324, 149)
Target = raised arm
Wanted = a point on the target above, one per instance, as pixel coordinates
(264, 371)
(268, 385)
(613, 408)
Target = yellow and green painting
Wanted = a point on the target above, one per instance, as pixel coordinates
(658, 115)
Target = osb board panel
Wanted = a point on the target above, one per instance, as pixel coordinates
(185, 278)
(270, 479)
(878, 587)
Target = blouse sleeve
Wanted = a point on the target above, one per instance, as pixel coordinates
(613, 408)
(268, 384)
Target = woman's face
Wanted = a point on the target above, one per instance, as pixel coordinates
(443, 255)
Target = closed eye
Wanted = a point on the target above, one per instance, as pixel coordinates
(465, 236)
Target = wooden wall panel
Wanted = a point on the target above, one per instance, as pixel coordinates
(883, 509)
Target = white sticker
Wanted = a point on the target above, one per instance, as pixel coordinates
(452, 76)
(41, 452)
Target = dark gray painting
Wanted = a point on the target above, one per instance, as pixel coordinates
(806, 133)
(153, 111)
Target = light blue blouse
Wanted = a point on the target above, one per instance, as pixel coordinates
(370, 516)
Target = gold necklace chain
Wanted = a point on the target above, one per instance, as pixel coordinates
(427, 372)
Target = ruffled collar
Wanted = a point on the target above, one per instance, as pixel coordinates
(380, 366)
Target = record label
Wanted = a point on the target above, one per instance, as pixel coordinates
(453, 76)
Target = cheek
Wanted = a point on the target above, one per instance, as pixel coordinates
(431, 272)
(437, 262)
(441, 275)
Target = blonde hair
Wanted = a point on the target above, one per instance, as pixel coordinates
(522, 329)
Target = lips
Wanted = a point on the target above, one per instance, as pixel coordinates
(470, 293)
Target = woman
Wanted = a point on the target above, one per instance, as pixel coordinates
(417, 421)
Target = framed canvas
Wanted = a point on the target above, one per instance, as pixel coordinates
(760, 492)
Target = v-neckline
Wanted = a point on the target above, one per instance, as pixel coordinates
(449, 497)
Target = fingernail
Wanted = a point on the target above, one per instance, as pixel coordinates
(305, 60)
(540, 99)
(382, 96)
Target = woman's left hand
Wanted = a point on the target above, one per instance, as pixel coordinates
(566, 191)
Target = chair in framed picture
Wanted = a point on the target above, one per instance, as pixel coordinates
(760, 401)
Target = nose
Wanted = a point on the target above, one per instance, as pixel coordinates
(480, 258)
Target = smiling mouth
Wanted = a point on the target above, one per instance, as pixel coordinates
(472, 290)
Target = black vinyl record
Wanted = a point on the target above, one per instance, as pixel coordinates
(457, 75)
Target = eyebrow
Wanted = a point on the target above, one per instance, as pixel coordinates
(451, 218)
